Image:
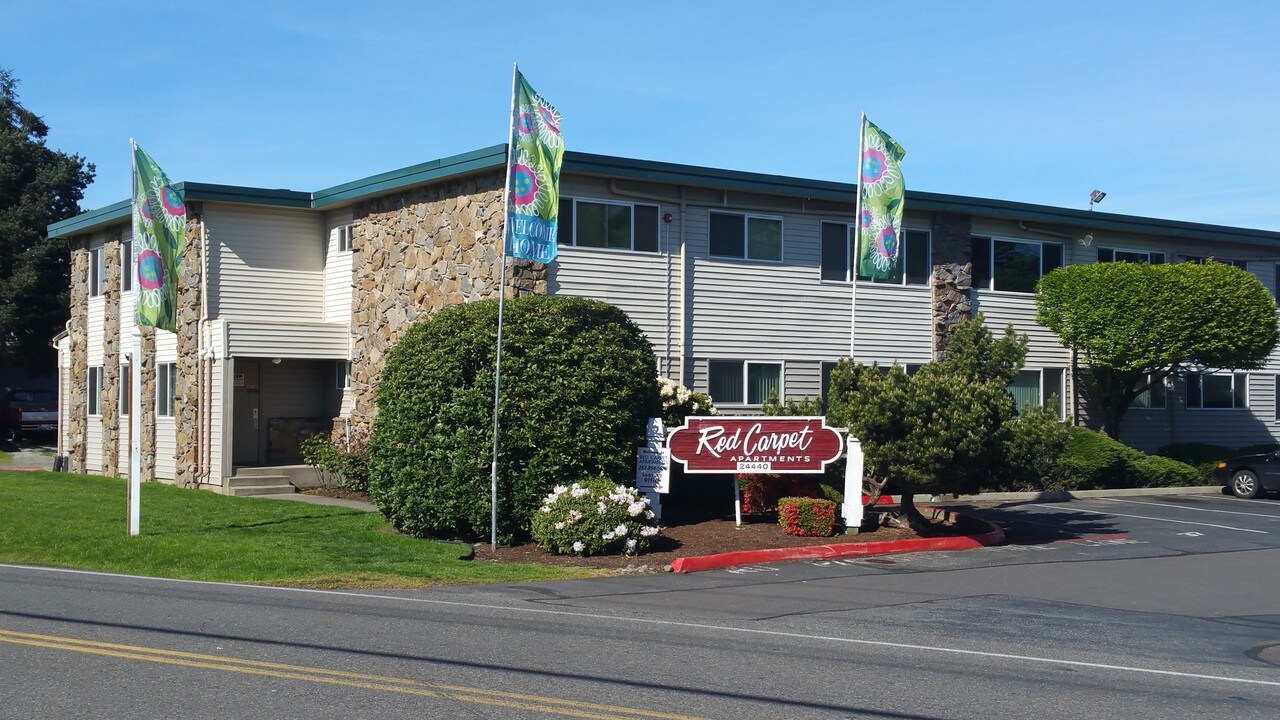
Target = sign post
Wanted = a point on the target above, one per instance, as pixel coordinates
(852, 509)
(653, 465)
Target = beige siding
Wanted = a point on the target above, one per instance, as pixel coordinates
(288, 340)
(265, 261)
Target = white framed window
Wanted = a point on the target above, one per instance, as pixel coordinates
(746, 236)
(342, 375)
(608, 224)
(1106, 254)
(97, 271)
(1035, 387)
(344, 237)
(840, 248)
(126, 265)
(1012, 265)
(1200, 260)
(1217, 391)
(126, 389)
(95, 390)
(164, 389)
(1153, 398)
(743, 382)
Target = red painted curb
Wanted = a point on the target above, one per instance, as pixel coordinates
(994, 536)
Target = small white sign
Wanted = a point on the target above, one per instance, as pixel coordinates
(237, 380)
(655, 433)
(653, 470)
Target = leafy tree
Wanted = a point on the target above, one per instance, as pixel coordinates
(1135, 324)
(945, 429)
(577, 389)
(38, 186)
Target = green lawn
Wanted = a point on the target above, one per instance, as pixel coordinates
(79, 521)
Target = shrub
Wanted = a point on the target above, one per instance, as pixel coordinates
(807, 517)
(679, 402)
(577, 389)
(1204, 457)
(1036, 439)
(760, 493)
(1092, 461)
(595, 517)
(349, 468)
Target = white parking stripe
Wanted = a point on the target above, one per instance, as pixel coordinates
(1188, 507)
(1148, 517)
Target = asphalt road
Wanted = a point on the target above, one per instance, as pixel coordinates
(1146, 607)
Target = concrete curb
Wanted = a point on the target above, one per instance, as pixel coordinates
(993, 536)
(1064, 495)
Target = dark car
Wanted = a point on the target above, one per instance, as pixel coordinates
(25, 412)
(1248, 476)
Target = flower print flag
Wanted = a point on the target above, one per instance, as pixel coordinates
(159, 236)
(880, 199)
(533, 172)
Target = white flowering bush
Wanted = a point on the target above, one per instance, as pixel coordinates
(596, 517)
(679, 402)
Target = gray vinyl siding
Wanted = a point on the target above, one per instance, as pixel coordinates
(337, 271)
(1044, 349)
(893, 324)
(266, 261)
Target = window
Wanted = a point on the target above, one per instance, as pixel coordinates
(608, 224)
(1153, 398)
(126, 265)
(95, 390)
(342, 378)
(1133, 256)
(1198, 260)
(126, 389)
(164, 389)
(738, 382)
(1012, 265)
(752, 237)
(345, 233)
(1033, 388)
(97, 273)
(1217, 391)
(1277, 405)
(839, 252)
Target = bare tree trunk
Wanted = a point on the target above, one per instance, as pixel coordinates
(915, 519)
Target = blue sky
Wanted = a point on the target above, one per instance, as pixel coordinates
(1172, 108)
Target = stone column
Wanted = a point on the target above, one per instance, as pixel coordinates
(952, 278)
(148, 369)
(417, 252)
(76, 424)
(186, 396)
(111, 359)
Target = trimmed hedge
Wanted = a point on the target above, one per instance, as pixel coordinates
(577, 388)
(807, 517)
(1092, 461)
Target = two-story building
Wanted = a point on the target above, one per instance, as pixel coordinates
(742, 282)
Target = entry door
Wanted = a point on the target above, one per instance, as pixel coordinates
(246, 419)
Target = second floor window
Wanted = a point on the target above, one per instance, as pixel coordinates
(1012, 265)
(608, 224)
(839, 254)
(97, 272)
(126, 265)
(750, 237)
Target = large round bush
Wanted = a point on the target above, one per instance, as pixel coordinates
(577, 388)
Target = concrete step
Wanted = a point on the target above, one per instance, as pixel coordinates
(302, 476)
(250, 480)
(249, 490)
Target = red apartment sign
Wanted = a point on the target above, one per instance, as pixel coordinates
(714, 444)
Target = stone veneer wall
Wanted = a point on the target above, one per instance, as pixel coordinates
(952, 279)
(148, 369)
(76, 423)
(111, 359)
(417, 252)
(186, 395)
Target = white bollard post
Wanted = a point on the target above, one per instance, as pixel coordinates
(852, 506)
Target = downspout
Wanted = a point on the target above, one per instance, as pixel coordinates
(683, 205)
(205, 368)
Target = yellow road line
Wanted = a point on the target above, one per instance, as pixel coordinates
(459, 693)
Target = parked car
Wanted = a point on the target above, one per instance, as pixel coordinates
(1248, 476)
(25, 412)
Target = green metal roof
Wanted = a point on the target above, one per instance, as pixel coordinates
(494, 157)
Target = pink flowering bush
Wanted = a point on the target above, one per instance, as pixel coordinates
(595, 517)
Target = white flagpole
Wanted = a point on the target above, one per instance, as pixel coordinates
(135, 376)
(502, 292)
(857, 243)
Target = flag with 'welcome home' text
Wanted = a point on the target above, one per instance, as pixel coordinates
(533, 167)
(159, 236)
(881, 195)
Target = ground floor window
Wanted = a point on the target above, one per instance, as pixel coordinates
(126, 389)
(1153, 398)
(1033, 388)
(743, 382)
(1217, 391)
(164, 389)
(95, 390)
